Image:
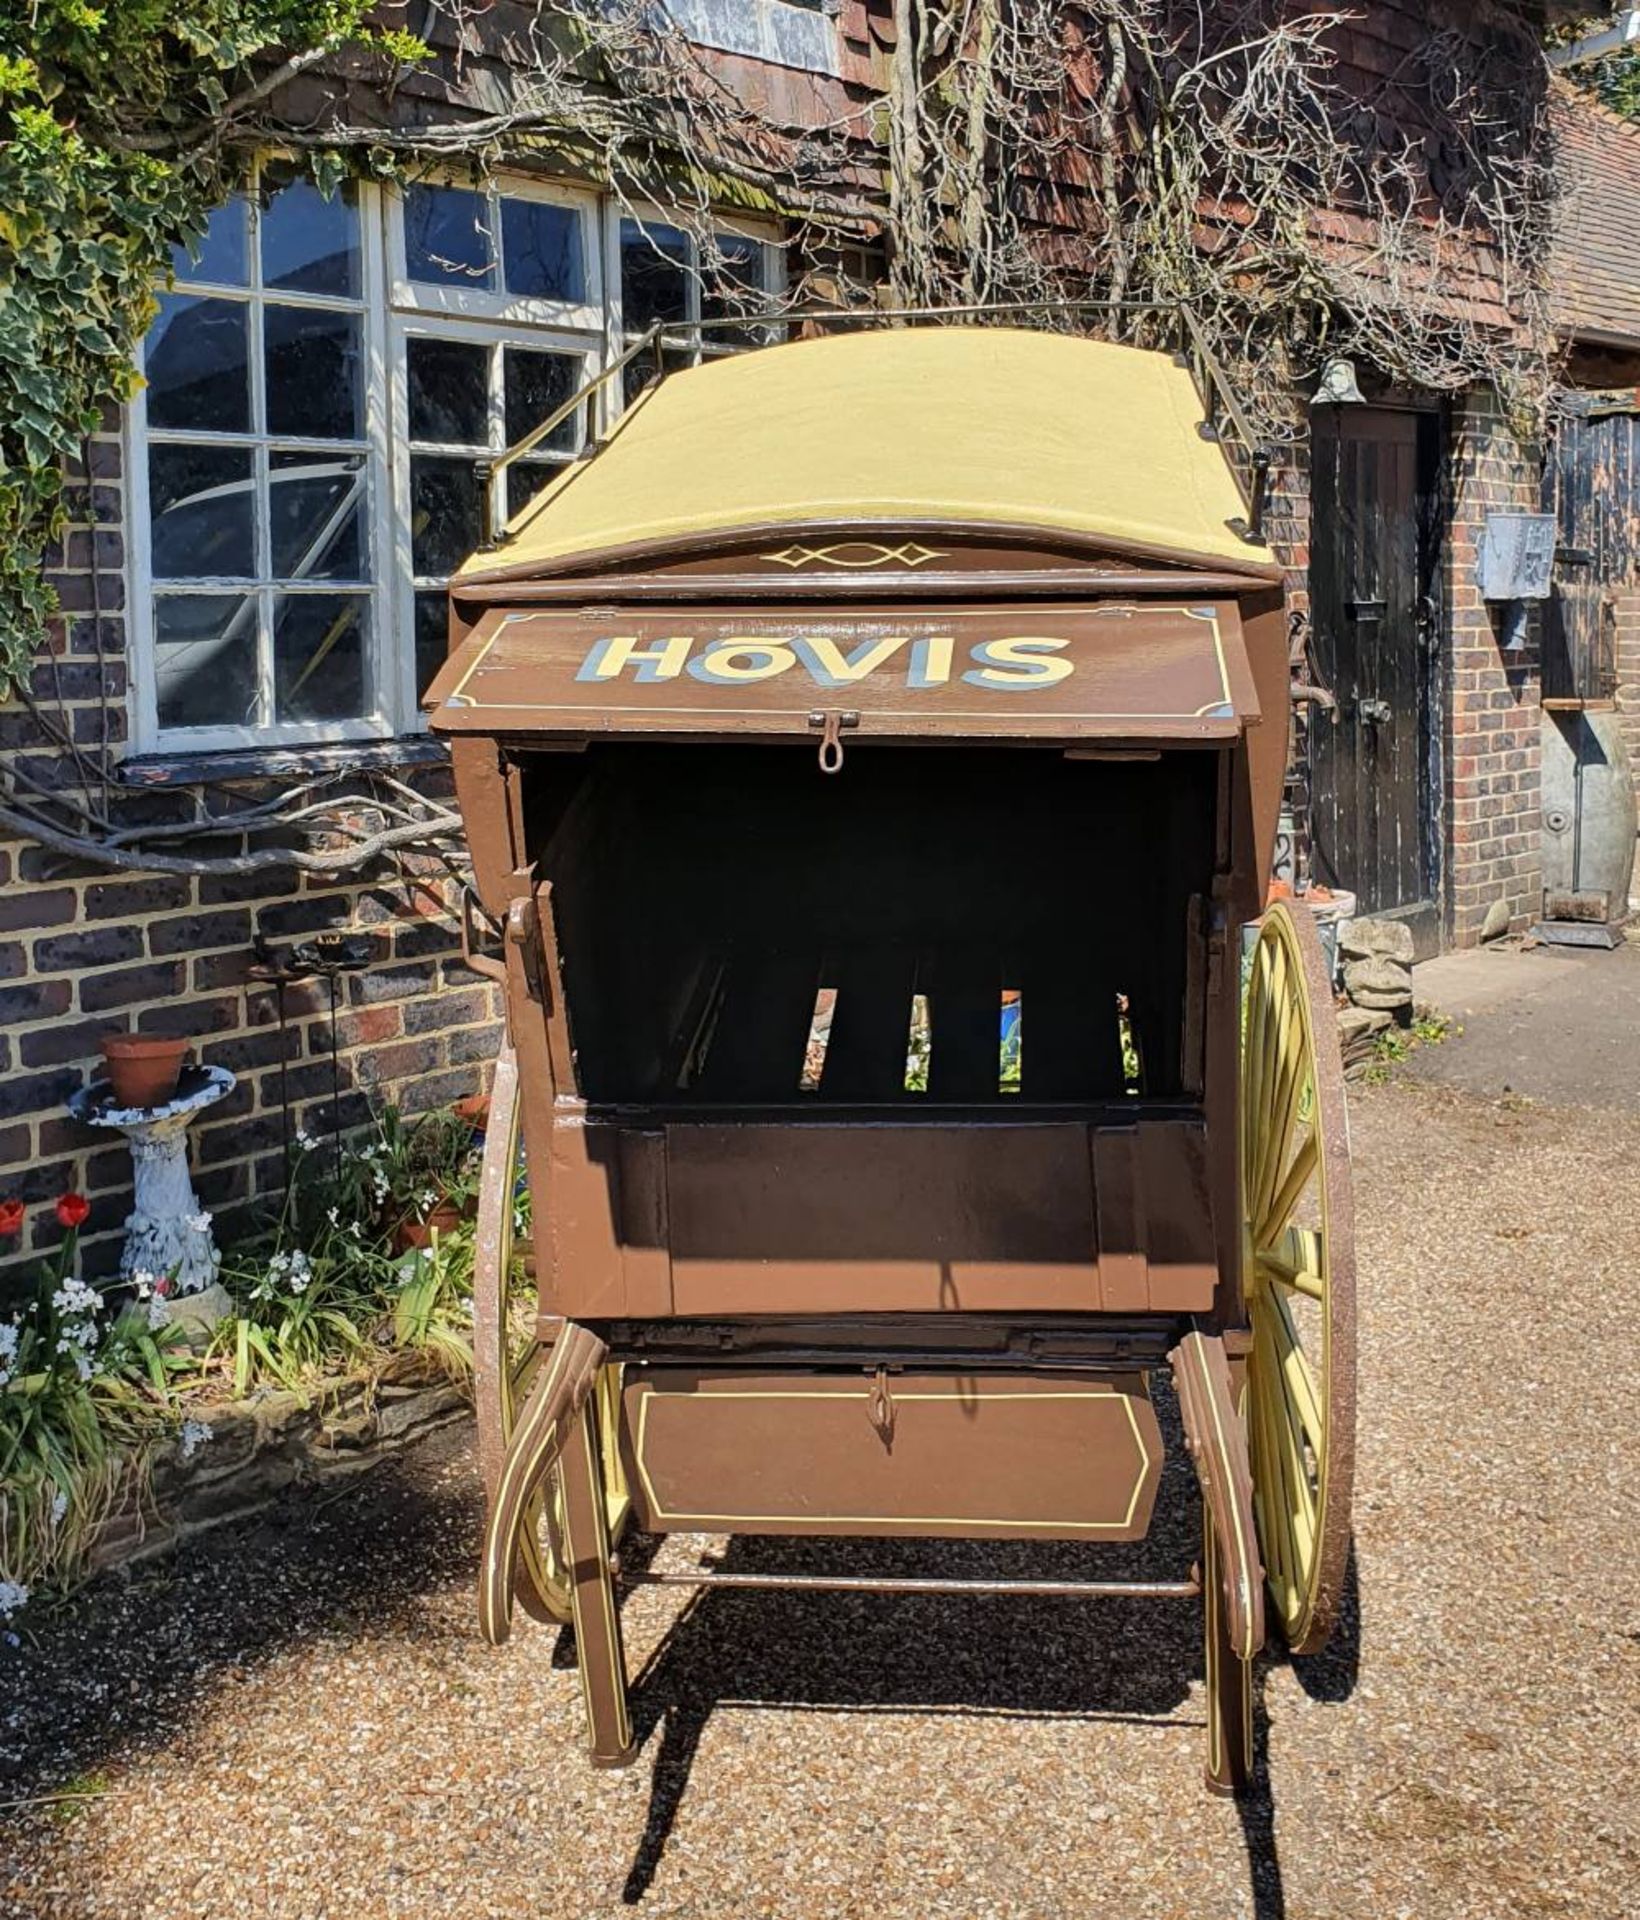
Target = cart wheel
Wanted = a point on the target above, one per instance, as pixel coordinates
(1298, 1273)
(504, 1366)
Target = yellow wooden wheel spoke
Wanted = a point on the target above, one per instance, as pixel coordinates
(1288, 1195)
(1302, 1394)
(1291, 1096)
(1296, 1263)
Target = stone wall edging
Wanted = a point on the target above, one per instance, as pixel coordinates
(273, 1440)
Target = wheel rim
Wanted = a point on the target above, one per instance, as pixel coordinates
(504, 1363)
(1298, 1276)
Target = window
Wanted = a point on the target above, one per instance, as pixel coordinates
(256, 486)
(468, 396)
(327, 387)
(667, 279)
(786, 33)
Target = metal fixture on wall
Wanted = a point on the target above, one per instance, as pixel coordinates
(1338, 385)
(326, 956)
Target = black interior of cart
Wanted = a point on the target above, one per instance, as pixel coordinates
(979, 926)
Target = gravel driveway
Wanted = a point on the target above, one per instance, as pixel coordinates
(298, 1719)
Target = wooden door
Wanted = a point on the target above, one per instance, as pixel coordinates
(1374, 762)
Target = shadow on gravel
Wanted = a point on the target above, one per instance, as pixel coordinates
(129, 1663)
(1094, 1661)
(1331, 1674)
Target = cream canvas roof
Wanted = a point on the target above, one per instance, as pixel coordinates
(998, 426)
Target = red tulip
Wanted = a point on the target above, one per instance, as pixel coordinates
(73, 1209)
(11, 1218)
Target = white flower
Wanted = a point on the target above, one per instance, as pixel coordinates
(193, 1436)
(334, 1216)
(305, 1140)
(13, 1596)
(278, 1263)
(143, 1283)
(427, 1199)
(74, 1296)
(59, 1506)
(301, 1274)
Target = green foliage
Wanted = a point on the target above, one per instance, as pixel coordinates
(1614, 80)
(118, 131)
(1394, 1045)
(81, 1405)
(329, 1285)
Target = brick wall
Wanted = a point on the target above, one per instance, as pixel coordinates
(85, 949)
(1493, 720)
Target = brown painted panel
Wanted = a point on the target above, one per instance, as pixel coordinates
(584, 1278)
(1119, 1184)
(1123, 669)
(1040, 1456)
(868, 1218)
(1179, 1240)
(646, 1264)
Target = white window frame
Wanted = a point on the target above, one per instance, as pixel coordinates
(394, 309)
(385, 714)
(435, 325)
(478, 303)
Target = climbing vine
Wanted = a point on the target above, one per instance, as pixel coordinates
(117, 136)
(1105, 161)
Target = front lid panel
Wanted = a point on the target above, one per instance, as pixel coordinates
(1117, 669)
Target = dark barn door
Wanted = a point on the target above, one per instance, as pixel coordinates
(1374, 556)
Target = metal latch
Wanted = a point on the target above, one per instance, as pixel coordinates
(831, 742)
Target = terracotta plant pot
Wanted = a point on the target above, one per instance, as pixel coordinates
(143, 1068)
(410, 1232)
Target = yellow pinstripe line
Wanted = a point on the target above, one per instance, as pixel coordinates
(661, 1516)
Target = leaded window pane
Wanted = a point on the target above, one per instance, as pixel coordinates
(733, 281)
(654, 275)
(541, 250)
(535, 385)
(449, 386)
(432, 634)
(447, 238)
(222, 249)
(319, 642)
(311, 244)
(197, 365)
(525, 479)
(316, 516)
(200, 518)
(314, 369)
(205, 659)
(446, 513)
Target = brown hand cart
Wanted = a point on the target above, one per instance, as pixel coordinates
(872, 759)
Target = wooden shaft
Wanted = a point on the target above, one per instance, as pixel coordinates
(1218, 1448)
(597, 1620)
(550, 1420)
(1229, 1681)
